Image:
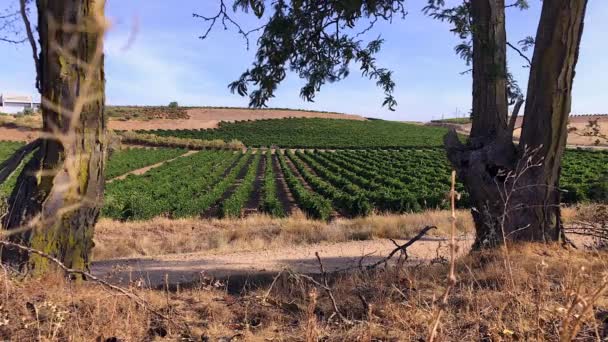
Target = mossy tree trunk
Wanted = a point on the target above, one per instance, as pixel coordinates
(59, 193)
(515, 189)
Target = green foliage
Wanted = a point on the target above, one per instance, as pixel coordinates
(164, 191)
(459, 121)
(319, 133)
(318, 40)
(313, 204)
(173, 104)
(352, 182)
(127, 160)
(584, 176)
(349, 204)
(233, 206)
(7, 148)
(270, 201)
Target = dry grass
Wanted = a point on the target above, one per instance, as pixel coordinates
(390, 305)
(145, 139)
(166, 236)
(33, 121)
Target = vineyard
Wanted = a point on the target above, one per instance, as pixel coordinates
(318, 133)
(321, 183)
(127, 160)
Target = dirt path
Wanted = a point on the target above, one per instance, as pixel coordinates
(143, 170)
(189, 268)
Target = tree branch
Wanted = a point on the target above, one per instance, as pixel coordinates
(520, 53)
(514, 115)
(30, 37)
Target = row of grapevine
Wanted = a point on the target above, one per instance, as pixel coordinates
(349, 204)
(382, 198)
(270, 201)
(233, 206)
(313, 204)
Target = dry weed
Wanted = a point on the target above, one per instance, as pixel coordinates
(550, 299)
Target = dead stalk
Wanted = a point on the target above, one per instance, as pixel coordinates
(451, 275)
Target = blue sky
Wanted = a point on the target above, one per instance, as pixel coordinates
(167, 62)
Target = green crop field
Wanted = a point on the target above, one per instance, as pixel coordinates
(127, 160)
(347, 183)
(319, 133)
(322, 184)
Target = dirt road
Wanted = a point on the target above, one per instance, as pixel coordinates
(260, 265)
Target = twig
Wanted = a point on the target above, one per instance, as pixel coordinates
(271, 286)
(402, 248)
(329, 292)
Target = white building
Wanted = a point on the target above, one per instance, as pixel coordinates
(15, 104)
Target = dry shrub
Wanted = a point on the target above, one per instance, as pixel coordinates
(30, 122)
(167, 236)
(147, 139)
(393, 304)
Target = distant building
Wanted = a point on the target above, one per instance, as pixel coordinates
(15, 104)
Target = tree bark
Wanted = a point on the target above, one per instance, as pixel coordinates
(59, 193)
(547, 109)
(489, 68)
(514, 190)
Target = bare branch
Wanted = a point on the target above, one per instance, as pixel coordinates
(514, 115)
(520, 53)
(402, 248)
(30, 37)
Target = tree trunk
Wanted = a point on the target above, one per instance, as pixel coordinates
(513, 190)
(489, 68)
(547, 108)
(59, 193)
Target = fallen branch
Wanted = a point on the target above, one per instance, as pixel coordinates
(402, 248)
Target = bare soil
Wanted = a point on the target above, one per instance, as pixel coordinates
(201, 118)
(575, 137)
(17, 134)
(189, 268)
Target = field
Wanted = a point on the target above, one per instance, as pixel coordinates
(319, 133)
(323, 184)
(127, 160)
